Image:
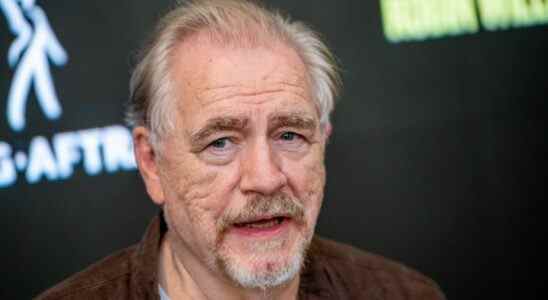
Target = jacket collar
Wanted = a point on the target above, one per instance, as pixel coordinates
(314, 281)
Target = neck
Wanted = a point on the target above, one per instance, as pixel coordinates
(183, 276)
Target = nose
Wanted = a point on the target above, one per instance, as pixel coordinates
(261, 172)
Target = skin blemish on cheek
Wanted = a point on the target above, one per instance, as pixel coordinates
(186, 176)
(197, 210)
(199, 186)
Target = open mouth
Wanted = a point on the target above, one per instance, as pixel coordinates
(262, 223)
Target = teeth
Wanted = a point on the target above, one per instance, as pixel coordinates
(264, 223)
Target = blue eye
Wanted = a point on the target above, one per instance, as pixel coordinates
(220, 151)
(220, 143)
(291, 141)
(288, 136)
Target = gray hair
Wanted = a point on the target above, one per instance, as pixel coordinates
(227, 21)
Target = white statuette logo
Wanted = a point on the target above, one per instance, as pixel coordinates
(107, 149)
(29, 55)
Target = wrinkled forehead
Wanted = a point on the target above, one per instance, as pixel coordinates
(206, 50)
(208, 71)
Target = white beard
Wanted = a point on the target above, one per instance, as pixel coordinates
(272, 273)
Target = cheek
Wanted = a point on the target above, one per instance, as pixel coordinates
(192, 202)
(306, 180)
(196, 190)
(314, 191)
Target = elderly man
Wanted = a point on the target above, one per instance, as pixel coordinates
(230, 106)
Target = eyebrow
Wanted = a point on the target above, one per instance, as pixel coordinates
(293, 120)
(218, 124)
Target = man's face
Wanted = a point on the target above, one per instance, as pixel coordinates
(242, 175)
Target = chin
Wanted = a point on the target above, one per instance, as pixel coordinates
(267, 265)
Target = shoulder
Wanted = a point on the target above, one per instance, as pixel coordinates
(101, 278)
(357, 272)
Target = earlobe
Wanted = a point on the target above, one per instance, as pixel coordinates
(146, 158)
(327, 131)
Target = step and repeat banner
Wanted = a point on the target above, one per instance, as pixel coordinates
(434, 160)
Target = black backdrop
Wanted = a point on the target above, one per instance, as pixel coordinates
(434, 161)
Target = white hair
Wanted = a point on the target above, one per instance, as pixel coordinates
(227, 21)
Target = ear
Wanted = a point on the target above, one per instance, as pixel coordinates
(327, 131)
(146, 158)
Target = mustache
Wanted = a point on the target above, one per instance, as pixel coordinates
(260, 206)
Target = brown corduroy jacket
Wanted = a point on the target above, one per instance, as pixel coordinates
(332, 271)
